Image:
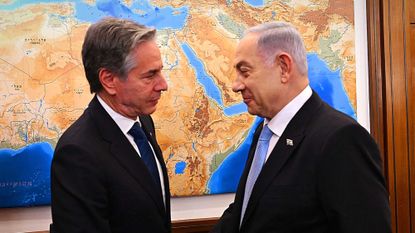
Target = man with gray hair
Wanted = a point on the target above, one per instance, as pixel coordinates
(310, 168)
(108, 173)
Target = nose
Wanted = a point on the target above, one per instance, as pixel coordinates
(162, 84)
(237, 85)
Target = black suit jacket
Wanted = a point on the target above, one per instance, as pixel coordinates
(100, 184)
(328, 181)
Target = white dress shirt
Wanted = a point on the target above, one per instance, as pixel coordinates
(280, 121)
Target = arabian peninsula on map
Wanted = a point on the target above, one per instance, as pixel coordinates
(202, 126)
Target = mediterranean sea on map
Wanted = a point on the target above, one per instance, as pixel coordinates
(202, 127)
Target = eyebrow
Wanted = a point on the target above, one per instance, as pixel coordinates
(153, 70)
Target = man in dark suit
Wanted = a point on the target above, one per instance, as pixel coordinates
(310, 168)
(108, 173)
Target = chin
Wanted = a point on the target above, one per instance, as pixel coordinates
(252, 112)
(151, 111)
(256, 112)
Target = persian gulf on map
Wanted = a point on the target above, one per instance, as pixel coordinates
(202, 126)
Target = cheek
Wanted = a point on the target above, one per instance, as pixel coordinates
(145, 91)
(256, 89)
(265, 92)
(137, 88)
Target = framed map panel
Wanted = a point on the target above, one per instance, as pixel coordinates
(202, 126)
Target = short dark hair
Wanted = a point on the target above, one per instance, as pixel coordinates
(109, 44)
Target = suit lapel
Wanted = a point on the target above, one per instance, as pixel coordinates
(124, 153)
(283, 150)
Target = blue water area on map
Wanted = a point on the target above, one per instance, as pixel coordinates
(25, 175)
(226, 177)
(255, 3)
(328, 84)
(179, 168)
(235, 109)
(140, 11)
(206, 80)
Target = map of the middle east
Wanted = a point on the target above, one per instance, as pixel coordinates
(202, 126)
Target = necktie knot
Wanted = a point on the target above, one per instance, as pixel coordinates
(137, 132)
(266, 133)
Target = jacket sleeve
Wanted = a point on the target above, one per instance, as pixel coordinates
(351, 185)
(79, 196)
(225, 222)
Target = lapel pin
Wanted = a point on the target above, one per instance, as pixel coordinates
(290, 142)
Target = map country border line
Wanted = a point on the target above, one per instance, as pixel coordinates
(60, 75)
(15, 67)
(34, 78)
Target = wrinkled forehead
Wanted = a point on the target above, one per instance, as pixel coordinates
(249, 41)
(246, 49)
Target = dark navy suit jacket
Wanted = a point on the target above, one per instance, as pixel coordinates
(100, 184)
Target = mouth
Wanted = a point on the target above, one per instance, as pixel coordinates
(155, 100)
(246, 99)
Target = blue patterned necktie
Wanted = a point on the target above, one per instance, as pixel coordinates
(145, 151)
(256, 166)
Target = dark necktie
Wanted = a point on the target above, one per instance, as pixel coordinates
(145, 151)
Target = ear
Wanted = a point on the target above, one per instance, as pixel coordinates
(286, 65)
(108, 79)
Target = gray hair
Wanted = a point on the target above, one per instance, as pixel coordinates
(277, 37)
(109, 44)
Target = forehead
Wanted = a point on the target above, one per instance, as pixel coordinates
(147, 55)
(247, 49)
(147, 49)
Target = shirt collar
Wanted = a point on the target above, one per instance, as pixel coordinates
(280, 121)
(123, 122)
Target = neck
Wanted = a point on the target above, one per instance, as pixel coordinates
(114, 105)
(293, 90)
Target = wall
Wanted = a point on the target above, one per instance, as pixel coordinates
(392, 89)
